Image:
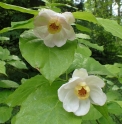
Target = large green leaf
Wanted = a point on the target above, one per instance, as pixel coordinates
(4, 95)
(114, 108)
(43, 107)
(4, 53)
(111, 26)
(93, 66)
(27, 24)
(51, 62)
(18, 8)
(5, 114)
(2, 67)
(25, 90)
(93, 114)
(8, 84)
(85, 16)
(88, 43)
(103, 110)
(82, 28)
(18, 64)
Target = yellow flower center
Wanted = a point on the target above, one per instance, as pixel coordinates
(54, 26)
(82, 90)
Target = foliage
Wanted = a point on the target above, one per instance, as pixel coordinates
(31, 73)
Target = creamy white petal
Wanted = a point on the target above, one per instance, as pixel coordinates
(70, 33)
(41, 32)
(82, 73)
(71, 102)
(69, 17)
(41, 20)
(46, 11)
(62, 92)
(59, 39)
(94, 80)
(97, 96)
(73, 82)
(64, 23)
(48, 41)
(84, 107)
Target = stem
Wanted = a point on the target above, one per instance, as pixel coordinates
(97, 122)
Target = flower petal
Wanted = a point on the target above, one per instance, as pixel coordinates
(84, 107)
(48, 41)
(82, 73)
(71, 102)
(70, 33)
(60, 38)
(64, 23)
(97, 96)
(62, 92)
(94, 80)
(69, 17)
(73, 82)
(41, 32)
(41, 20)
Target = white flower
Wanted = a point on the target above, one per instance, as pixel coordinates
(54, 28)
(80, 91)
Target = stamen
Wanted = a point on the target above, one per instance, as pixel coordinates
(82, 90)
(54, 26)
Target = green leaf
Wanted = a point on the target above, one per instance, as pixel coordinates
(111, 26)
(18, 64)
(112, 69)
(4, 53)
(92, 66)
(5, 114)
(85, 16)
(43, 106)
(25, 90)
(51, 62)
(4, 95)
(82, 28)
(103, 120)
(87, 43)
(18, 8)
(4, 38)
(8, 84)
(27, 24)
(93, 114)
(83, 36)
(113, 95)
(2, 67)
(103, 110)
(83, 50)
(114, 108)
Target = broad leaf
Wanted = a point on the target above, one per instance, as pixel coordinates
(4, 95)
(93, 66)
(27, 24)
(51, 62)
(111, 26)
(85, 16)
(5, 114)
(18, 8)
(18, 64)
(87, 43)
(93, 114)
(103, 110)
(4, 53)
(43, 106)
(82, 28)
(8, 84)
(114, 108)
(25, 90)
(2, 67)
